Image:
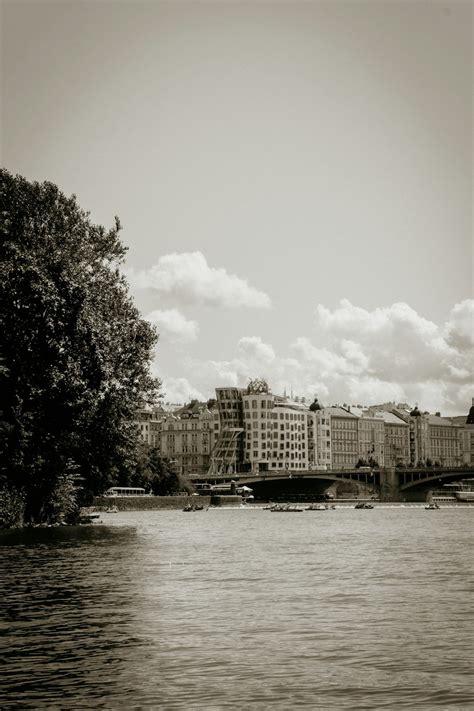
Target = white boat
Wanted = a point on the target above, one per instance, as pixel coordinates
(464, 495)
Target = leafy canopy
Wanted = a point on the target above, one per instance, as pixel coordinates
(74, 352)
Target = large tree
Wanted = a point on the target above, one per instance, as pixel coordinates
(74, 352)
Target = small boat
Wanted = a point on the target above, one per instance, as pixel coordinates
(193, 507)
(363, 505)
(111, 509)
(317, 507)
(431, 507)
(286, 508)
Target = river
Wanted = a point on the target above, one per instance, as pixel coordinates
(241, 608)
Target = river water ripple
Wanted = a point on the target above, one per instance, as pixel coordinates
(243, 609)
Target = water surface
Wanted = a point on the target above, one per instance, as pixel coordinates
(241, 608)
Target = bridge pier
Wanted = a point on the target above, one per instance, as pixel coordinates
(389, 485)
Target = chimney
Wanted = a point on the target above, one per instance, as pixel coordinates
(438, 414)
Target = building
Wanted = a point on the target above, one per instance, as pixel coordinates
(188, 438)
(319, 437)
(434, 440)
(370, 437)
(444, 446)
(396, 439)
(467, 438)
(276, 433)
(259, 432)
(228, 424)
(148, 422)
(344, 437)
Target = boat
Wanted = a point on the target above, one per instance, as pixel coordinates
(286, 508)
(317, 507)
(431, 507)
(465, 495)
(193, 507)
(363, 505)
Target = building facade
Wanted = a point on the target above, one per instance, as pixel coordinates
(319, 438)
(276, 433)
(396, 440)
(148, 423)
(188, 438)
(344, 437)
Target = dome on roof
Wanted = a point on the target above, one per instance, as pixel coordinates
(415, 412)
(470, 417)
(315, 405)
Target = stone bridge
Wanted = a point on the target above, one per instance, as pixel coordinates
(390, 484)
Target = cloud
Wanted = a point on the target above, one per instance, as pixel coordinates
(459, 329)
(180, 390)
(173, 326)
(359, 356)
(187, 278)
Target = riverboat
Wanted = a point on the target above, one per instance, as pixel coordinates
(465, 495)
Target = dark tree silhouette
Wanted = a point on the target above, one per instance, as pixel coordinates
(74, 351)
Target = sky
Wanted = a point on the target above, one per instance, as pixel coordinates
(294, 181)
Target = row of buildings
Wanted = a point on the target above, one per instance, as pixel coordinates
(253, 430)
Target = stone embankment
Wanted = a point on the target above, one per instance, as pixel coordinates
(155, 503)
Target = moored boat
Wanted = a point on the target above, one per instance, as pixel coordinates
(286, 508)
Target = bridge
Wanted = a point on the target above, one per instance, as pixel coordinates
(391, 485)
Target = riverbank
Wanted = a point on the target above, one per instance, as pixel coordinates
(155, 503)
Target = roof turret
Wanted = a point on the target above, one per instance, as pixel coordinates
(415, 412)
(315, 405)
(470, 417)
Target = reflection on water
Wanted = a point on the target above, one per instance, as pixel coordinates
(240, 608)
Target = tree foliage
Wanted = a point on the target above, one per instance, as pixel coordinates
(158, 474)
(74, 352)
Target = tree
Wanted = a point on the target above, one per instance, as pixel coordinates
(75, 353)
(158, 474)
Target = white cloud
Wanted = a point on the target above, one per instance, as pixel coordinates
(388, 354)
(180, 390)
(173, 326)
(459, 329)
(188, 278)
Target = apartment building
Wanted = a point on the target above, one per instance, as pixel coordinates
(444, 447)
(433, 439)
(276, 433)
(188, 437)
(319, 437)
(344, 437)
(396, 439)
(228, 424)
(148, 422)
(370, 437)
